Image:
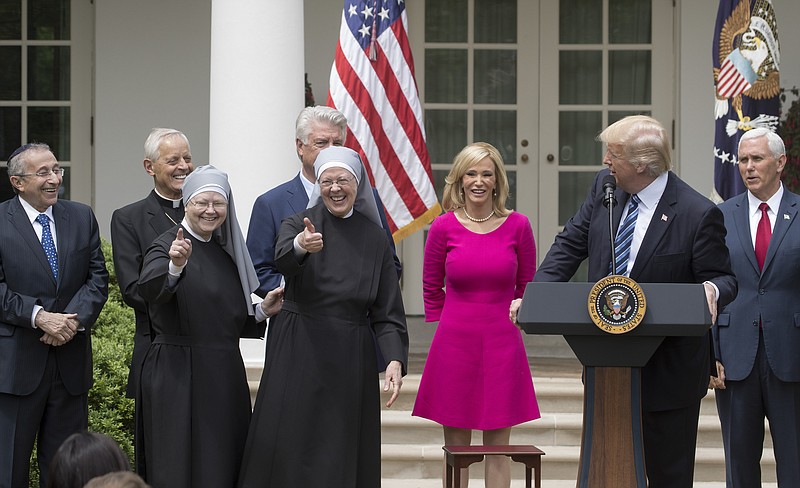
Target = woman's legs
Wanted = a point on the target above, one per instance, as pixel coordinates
(457, 437)
(498, 469)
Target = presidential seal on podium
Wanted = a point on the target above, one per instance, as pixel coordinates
(616, 304)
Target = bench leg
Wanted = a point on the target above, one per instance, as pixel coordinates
(532, 463)
(533, 467)
(448, 476)
(454, 465)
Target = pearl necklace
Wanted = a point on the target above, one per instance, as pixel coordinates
(478, 220)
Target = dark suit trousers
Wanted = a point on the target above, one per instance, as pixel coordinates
(49, 411)
(670, 438)
(742, 407)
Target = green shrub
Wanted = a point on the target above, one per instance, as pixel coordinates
(110, 411)
(789, 130)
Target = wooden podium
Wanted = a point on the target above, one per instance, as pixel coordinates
(612, 452)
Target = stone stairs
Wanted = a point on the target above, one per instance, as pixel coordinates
(411, 449)
(412, 454)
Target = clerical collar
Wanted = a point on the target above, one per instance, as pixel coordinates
(175, 203)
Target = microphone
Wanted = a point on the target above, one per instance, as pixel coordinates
(609, 185)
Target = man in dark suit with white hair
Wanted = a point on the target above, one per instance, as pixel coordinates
(168, 159)
(757, 336)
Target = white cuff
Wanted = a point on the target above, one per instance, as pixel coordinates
(175, 270)
(298, 251)
(716, 290)
(261, 315)
(36, 309)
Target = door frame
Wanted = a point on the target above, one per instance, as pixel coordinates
(81, 163)
(411, 249)
(537, 118)
(662, 106)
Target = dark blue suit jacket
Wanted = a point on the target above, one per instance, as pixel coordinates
(27, 280)
(772, 295)
(685, 243)
(269, 210)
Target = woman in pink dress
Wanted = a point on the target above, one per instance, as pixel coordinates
(477, 375)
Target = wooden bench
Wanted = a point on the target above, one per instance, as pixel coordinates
(458, 457)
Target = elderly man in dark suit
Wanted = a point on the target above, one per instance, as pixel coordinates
(316, 128)
(758, 334)
(53, 284)
(678, 237)
(168, 159)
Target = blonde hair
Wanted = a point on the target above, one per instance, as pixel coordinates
(471, 155)
(644, 142)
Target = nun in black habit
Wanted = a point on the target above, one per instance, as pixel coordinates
(317, 415)
(197, 279)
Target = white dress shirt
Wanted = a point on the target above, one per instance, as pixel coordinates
(32, 214)
(753, 202)
(649, 198)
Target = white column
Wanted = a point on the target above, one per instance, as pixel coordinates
(257, 90)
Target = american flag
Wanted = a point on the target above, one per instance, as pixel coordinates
(372, 83)
(735, 76)
(746, 58)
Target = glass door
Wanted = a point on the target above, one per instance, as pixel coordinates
(476, 70)
(539, 80)
(46, 86)
(601, 60)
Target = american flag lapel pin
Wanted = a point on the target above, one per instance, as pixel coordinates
(664, 217)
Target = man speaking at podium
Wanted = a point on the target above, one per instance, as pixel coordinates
(678, 236)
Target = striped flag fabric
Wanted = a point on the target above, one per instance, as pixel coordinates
(735, 76)
(372, 83)
(746, 58)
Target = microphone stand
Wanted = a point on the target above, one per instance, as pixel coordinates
(611, 202)
(609, 185)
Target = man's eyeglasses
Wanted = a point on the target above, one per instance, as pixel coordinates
(342, 182)
(45, 174)
(204, 205)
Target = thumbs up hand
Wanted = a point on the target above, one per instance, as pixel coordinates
(310, 239)
(180, 250)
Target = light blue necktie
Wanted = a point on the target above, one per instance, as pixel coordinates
(47, 243)
(622, 243)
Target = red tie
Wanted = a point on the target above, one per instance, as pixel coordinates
(763, 234)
